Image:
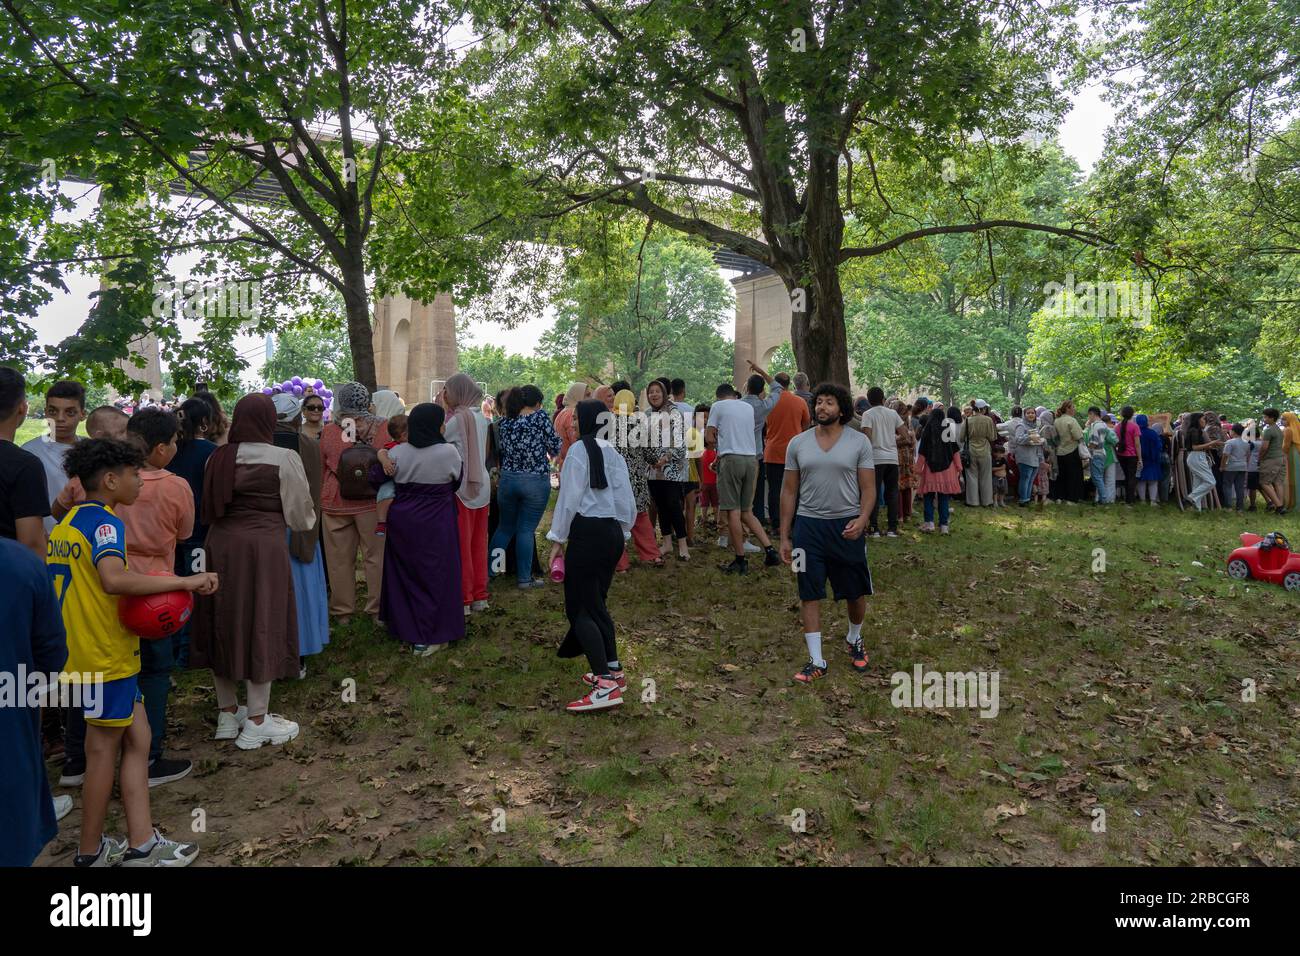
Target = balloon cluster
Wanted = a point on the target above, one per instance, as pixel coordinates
(299, 386)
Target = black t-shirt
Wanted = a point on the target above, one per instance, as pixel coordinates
(22, 488)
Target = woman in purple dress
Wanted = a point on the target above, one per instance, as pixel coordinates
(420, 599)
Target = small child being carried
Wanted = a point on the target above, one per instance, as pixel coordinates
(388, 490)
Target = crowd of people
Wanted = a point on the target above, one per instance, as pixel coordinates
(434, 502)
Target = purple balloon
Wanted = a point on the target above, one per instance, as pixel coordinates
(318, 384)
(268, 391)
(297, 380)
(297, 391)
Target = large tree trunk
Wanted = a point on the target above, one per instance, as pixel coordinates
(817, 331)
(361, 336)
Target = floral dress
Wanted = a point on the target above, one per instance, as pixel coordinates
(907, 461)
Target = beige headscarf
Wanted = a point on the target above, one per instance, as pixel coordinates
(576, 393)
(463, 394)
(387, 404)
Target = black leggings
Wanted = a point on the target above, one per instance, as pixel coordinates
(595, 545)
(1129, 464)
(668, 503)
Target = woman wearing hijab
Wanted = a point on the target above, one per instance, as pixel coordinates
(1151, 447)
(938, 466)
(1291, 451)
(566, 426)
(1198, 461)
(467, 431)
(667, 465)
(637, 458)
(253, 492)
(593, 517)
(305, 560)
(386, 403)
(350, 523)
(421, 596)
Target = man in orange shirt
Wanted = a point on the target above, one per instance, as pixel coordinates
(788, 417)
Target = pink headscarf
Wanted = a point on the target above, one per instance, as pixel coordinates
(463, 394)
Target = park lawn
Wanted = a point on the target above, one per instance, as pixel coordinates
(1120, 690)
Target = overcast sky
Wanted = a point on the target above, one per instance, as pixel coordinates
(1082, 136)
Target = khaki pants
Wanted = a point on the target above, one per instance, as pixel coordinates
(979, 480)
(341, 535)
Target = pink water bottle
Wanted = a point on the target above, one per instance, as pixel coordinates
(557, 568)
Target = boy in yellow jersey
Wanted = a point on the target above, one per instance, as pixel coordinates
(87, 565)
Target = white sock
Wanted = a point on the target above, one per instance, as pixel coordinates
(814, 641)
(148, 844)
(615, 666)
(855, 633)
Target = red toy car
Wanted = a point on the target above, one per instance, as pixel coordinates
(1269, 558)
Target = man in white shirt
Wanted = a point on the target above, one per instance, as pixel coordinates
(65, 409)
(730, 431)
(883, 426)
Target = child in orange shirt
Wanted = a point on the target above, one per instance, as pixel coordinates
(158, 520)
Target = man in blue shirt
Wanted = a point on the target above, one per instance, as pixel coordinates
(32, 641)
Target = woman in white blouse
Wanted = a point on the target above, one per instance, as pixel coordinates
(593, 517)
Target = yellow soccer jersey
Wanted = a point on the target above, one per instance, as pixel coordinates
(97, 641)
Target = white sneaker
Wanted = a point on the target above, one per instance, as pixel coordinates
(943, 529)
(273, 730)
(62, 806)
(479, 606)
(425, 650)
(467, 610)
(229, 725)
(164, 852)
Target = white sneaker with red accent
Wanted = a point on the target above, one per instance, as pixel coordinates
(619, 678)
(606, 693)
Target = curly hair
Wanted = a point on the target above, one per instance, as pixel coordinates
(842, 398)
(88, 460)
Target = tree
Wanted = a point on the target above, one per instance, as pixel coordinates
(496, 369)
(730, 120)
(1202, 172)
(316, 348)
(652, 308)
(351, 113)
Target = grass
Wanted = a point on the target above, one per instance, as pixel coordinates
(1119, 689)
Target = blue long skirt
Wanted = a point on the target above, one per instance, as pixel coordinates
(313, 604)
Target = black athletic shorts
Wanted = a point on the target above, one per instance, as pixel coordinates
(823, 552)
(689, 487)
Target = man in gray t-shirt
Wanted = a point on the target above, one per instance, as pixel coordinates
(826, 501)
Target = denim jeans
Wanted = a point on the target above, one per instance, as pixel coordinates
(521, 497)
(1097, 468)
(155, 683)
(1027, 475)
(943, 507)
